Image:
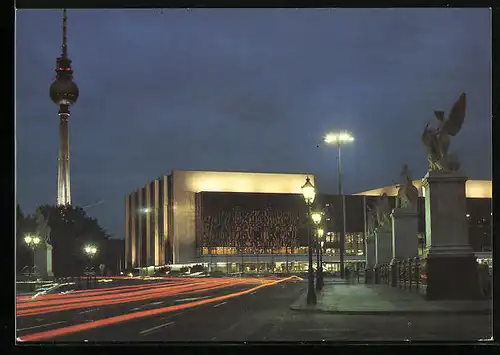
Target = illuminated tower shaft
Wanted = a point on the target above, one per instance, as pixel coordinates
(63, 180)
(64, 93)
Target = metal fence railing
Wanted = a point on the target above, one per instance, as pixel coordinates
(405, 274)
(411, 274)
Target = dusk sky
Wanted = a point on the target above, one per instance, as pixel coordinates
(245, 90)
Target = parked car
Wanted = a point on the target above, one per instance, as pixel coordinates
(133, 272)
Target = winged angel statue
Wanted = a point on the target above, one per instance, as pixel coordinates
(437, 141)
(407, 194)
(371, 221)
(383, 212)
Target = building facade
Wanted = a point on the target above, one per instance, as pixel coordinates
(243, 222)
(161, 217)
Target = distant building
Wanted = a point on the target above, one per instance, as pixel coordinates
(242, 221)
(473, 189)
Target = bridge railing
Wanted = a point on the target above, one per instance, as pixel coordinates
(411, 274)
(405, 274)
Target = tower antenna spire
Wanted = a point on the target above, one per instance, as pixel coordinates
(64, 93)
(65, 36)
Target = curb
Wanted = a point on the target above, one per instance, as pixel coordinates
(401, 312)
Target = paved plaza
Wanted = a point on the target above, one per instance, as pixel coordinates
(359, 298)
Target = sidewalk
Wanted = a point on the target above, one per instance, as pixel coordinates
(362, 299)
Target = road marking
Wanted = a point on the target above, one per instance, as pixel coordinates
(191, 299)
(145, 305)
(155, 328)
(154, 303)
(42, 325)
(220, 304)
(253, 293)
(174, 315)
(89, 310)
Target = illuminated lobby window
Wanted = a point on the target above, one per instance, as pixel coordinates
(223, 251)
(332, 237)
(355, 244)
(331, 251)
(251, 250)
(301, 250)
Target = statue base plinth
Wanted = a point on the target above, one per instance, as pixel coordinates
(383, 246)
(370, 253)
(404, 233)
(451, 264)
(452, 278)
(445, 209)
(43, 261)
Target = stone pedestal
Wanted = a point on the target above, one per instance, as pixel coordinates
(383, 246)
(370, 252)
(404, 233)
(43, 261)
(451, 264)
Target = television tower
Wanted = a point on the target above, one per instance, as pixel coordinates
(64, 93)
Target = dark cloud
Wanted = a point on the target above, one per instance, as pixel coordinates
(246, 89)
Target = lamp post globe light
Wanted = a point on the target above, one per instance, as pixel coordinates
(339, 139)
(309, 193)
(32, 241)
(316, 218)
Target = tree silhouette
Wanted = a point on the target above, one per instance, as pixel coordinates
(71, 230)
(24, 225)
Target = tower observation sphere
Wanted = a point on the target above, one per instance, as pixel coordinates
(64, 91)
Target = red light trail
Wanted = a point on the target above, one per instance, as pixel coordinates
(87, 299)
(141, 314)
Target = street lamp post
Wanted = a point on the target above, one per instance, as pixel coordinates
(309, 193)
(316, 218)
(90, 251)
(339, 139)
(32, 241)
(321, 243)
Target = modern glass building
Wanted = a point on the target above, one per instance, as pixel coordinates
(163, 219)
(249, 222)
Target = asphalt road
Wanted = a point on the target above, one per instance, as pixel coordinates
(263, 315)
